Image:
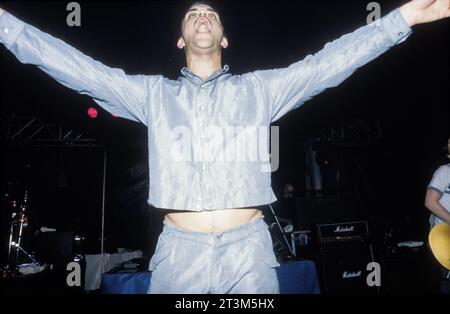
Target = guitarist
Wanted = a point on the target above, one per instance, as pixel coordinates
(437, 200)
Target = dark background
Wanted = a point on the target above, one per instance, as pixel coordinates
(406, 90)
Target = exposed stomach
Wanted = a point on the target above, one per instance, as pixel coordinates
(212, 221)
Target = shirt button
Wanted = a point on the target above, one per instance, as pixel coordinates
(203, 168)
(400, 34)
(202, 108)
(6, 30)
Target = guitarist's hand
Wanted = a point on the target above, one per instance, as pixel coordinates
(432, 203)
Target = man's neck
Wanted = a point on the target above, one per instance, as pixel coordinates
(204, 65)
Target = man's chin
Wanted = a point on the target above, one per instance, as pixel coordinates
(204, 44)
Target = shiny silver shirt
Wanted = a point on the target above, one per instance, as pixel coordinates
(200, 132)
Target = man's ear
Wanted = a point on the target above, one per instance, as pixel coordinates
(181, 44)
(224, 42)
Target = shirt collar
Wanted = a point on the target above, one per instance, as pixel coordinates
(192, 77)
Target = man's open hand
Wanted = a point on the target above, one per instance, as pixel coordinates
(1, 11)
(425, 11)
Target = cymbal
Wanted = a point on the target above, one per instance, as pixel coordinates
(439, 239)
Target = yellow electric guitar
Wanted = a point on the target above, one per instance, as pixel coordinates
(439, 239)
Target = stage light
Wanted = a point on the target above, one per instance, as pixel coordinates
(92, 113)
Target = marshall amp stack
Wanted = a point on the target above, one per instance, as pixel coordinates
(343, 232)
(345, 252)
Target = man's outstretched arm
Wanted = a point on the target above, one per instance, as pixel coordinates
(290, 87)
(123, 95)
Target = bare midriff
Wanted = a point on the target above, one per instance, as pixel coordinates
(215, 221)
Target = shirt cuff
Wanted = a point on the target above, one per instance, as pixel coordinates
(10, 28)
(432, 188)
(396, 26)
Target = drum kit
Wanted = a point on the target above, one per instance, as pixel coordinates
(19, 261)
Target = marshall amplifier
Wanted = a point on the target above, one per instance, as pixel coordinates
(342, 232)
(343, 269)
(345, 253)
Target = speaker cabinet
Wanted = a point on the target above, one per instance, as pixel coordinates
(343, 268)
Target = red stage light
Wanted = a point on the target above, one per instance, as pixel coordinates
(92, 113)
